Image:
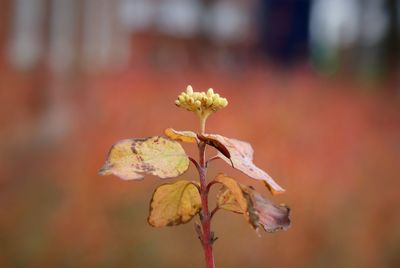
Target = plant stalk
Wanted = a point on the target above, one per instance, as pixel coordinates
(205, 216)
(203, 124)
(203, 119)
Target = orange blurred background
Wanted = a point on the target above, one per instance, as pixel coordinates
(316, 94)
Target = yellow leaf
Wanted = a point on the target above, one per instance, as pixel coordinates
(130, 158)
(185, 136)
(226, 200)
(239, 155)
(257, 210)
(231, 198)
(174, 203)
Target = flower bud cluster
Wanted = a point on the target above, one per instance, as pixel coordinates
(202, 103)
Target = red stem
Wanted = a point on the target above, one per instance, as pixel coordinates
(205, 216)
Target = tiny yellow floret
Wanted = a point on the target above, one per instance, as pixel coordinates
(189, 90)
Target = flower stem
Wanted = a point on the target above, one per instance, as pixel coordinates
(203, 118)
(203, 124)
(205, 216)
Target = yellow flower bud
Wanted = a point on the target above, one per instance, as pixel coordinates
(177, 102)
(209, 102)
(224, 102)
(189, 90)
(210, 92)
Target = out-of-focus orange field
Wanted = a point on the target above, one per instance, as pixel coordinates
(333, 144)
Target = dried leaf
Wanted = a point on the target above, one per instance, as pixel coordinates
(215, 141)
(130, 158)
(185, 136)
(174, 203)
(270, 216)
(257, 210)
(239, 155)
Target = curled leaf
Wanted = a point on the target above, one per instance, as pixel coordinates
(174, 203)
(239, 155)
(226, 200)
(131, 158)
(270, 216)
(185, 136)
(215, 141)
(231, 196)
(257, 210)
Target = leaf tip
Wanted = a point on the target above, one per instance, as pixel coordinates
(184, 136)
(104, 170)
(151, 222)
(274, 190)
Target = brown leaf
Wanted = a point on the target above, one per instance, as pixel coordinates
(257, 210)
(239, 155)
(270, 216)
(185, 136)
(130, 158)
(215, 141)
(174, 203)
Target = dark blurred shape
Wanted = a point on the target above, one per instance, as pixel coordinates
(284, 30)
(392, 39)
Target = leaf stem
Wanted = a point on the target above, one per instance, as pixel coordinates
(212, 159)
(195, 163)
(214, 211)
(211, 183)
(205, 215)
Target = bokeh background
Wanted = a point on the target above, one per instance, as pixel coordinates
(313, 85)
